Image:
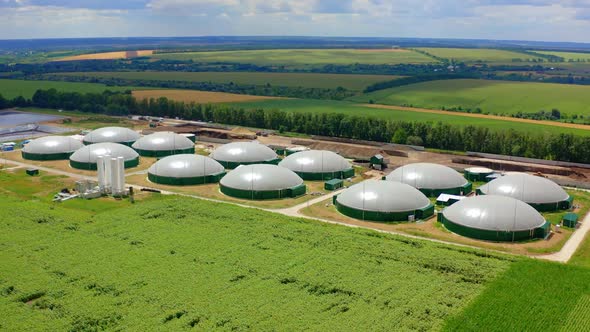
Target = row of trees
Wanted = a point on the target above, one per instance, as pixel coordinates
(564, 147)
(190, 66)
(338, 93)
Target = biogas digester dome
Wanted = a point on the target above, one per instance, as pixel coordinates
(186, 169)
(262, 181)
(234, 154)
(477, 173)
(87, 156)
(540, 193)
(318, 165)
(383, 201)
(494, 218)
(51, 148)
(431, 179)
(163, 144)
(120, 135)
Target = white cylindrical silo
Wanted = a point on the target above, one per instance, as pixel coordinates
(100, 169)
(121, 171)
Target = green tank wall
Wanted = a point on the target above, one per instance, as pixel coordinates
(164, 153)
(232, 165)
(476, 176)
(466, 189)
(498, 236)
(348, 173)
(214, 178)
(92, 166)
(129, 144)
(263, 195)
(384, 216)
(547, 207)
(49, 156)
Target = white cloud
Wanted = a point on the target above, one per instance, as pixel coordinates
(566, 20)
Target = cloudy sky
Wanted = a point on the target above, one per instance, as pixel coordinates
(545, 20)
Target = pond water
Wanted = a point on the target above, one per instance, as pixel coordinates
(9, 118)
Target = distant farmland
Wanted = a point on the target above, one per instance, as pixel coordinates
(496, 97)
(568, 55)
(108, 55)
(200, 97)
(324, 106)
(475, 54)
(304, 57)
(327, 81)
(15, 88)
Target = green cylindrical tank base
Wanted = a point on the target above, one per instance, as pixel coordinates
(232, 164)
(264, 195)
(496, 236)
(378, 216)
(345, 174)
(460, 191)
(164, 153)
(214, 178)
(48, 156)
(92, 166)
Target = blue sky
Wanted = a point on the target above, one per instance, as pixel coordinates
(566, 20)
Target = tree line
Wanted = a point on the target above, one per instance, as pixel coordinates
(563, 147)
(418, 79)
(338, 93)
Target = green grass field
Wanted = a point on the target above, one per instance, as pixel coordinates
(475, 54)
(326, 106)
(495, 97)
(568, 55)
(531, 296)
(170, 263)
(14, 88)
(327, 81)
(303, 57)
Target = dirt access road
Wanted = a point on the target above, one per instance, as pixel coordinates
(480, 116)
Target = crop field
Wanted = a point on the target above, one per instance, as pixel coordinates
(574, 56)
(14, 88)
(582, 255)
(107, 55)
(326, 106)
(202, 97)
(303, 57)
(530, 296)
(475, 54)
(174, 263)
(325, 81)
(495, 97)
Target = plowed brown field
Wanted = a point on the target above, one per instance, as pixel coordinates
(108, 55)
(201, 97)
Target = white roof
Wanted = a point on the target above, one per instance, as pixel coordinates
(52, 145)
(111, 135)
(525, 187)
(383, 196)
(186, 166)
(495, 213)
(447, 197)
(315, 161)
(261, 177)
(163, 141)
(90, 153)
(428, 176)
(479, 170)
(244, 152)
(297, 148)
